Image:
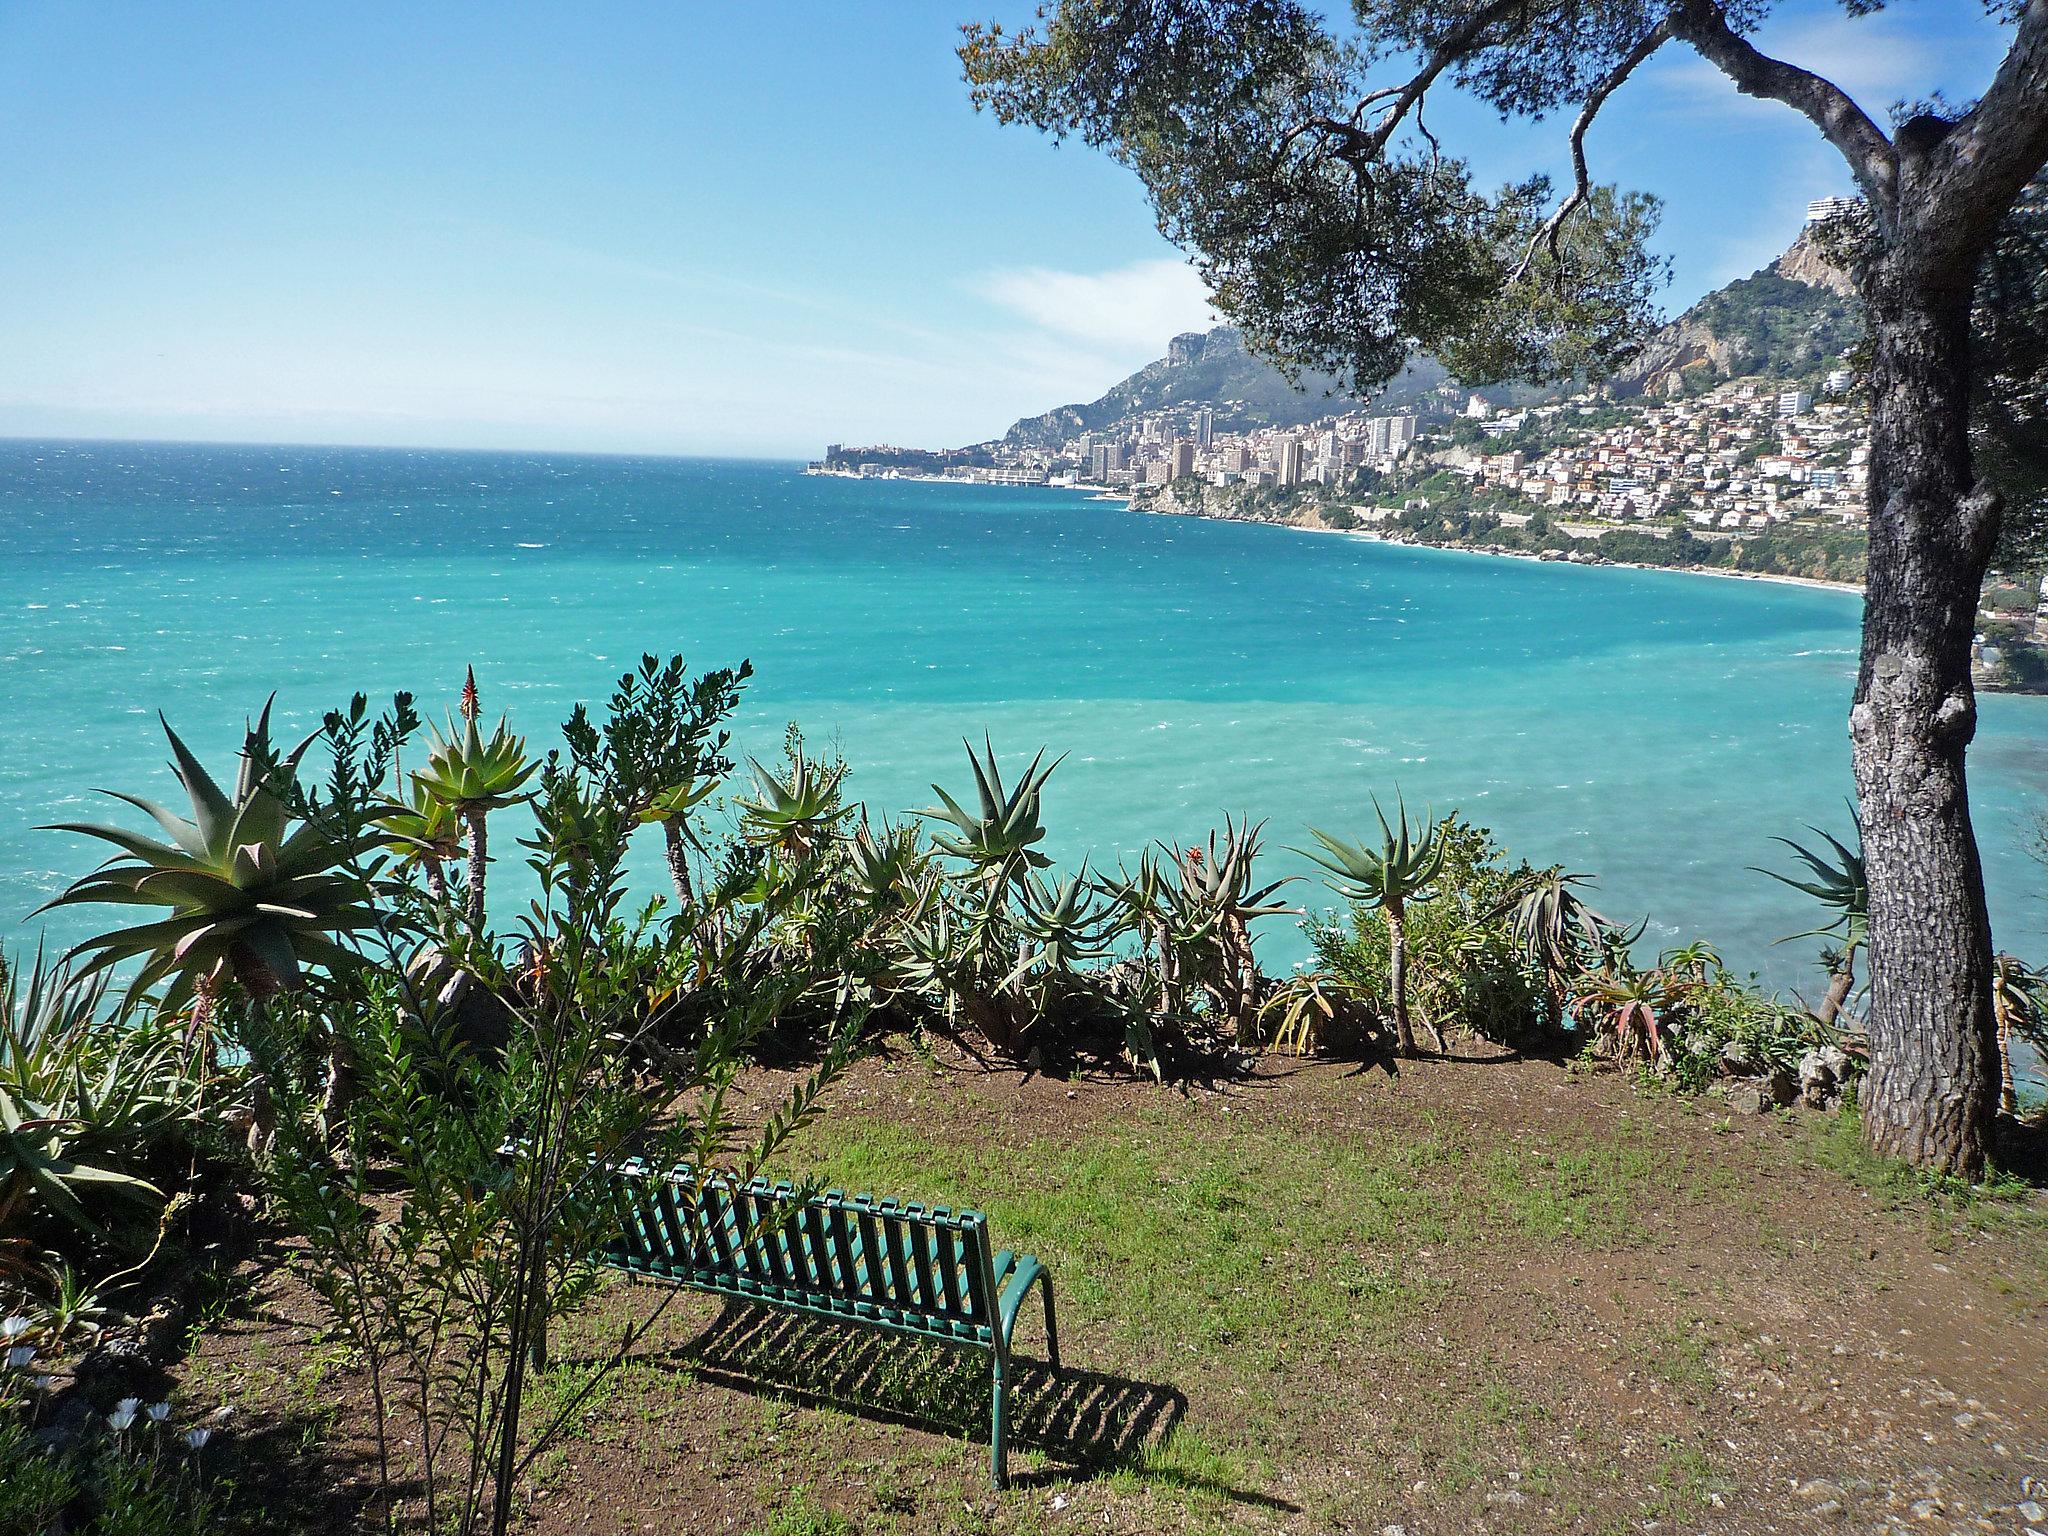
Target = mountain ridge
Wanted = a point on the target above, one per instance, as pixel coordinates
(1786, 317)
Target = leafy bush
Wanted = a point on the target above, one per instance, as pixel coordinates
(1467, 972)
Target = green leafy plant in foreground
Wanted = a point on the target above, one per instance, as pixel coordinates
(448, 1293)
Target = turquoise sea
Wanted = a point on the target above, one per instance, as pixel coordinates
(1654, 728)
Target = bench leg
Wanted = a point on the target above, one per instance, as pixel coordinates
(1052, 1331)
(998, 1451)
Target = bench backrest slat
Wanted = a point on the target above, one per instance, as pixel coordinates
(897, 1264)
(902, 1283)
(766, 1232)
(853, 1281)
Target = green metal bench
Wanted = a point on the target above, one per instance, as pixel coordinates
(922, 1272)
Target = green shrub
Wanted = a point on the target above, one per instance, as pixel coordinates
(1717, 1010)
(1466, 971)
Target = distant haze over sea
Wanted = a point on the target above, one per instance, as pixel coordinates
(1655, 729)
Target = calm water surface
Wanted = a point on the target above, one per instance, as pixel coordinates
(1655, 728)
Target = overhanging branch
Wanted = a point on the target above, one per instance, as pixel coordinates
(1582, 186)
(1704, 25)
(1350, 140)
(2002, 142)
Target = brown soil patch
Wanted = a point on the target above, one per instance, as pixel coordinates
(1703, 1328)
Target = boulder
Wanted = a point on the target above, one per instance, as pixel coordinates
(1821, 1073)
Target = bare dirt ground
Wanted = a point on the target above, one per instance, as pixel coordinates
(1503, 1297)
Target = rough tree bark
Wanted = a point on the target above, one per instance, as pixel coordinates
(1931, 1093)
(1397, 978)
(1936, 191)
(678, 862)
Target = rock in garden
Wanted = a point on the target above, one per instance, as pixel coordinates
(1748, 1099)
(1821, 1071)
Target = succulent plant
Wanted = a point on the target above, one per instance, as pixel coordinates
(796, 814)
(1065, 924)
(1629, 1006)
(1560, 935)
(426, 832)
(1837, 882)
(996, 838)
(888, 865)
(669, 808)
(250, 894)
(1387, 877)
(2019, 1009)
(85, 1101)
(475, 775)
(1212, 908)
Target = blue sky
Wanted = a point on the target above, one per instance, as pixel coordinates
(687, 228)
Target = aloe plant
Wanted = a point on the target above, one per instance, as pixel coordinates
(1385, 878)
(475, 775)
(1065, 924)
(889, 865)
(427, 833)
(85, 1101)
(996, 839)
(1214, 904)
(1561, 936)
(2019, 1008)
(669, 808)
(251, 893)
(1629, 1006)
(1836, 879)
(794, 814)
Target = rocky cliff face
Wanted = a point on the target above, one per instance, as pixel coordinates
(1806, 263)
(1788, 317)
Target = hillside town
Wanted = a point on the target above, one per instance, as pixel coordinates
(1742, 455)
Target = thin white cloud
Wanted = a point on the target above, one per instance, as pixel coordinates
(1136, 306)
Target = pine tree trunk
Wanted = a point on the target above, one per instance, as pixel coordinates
(1397, 968)
(1933, 1079)
(479, 857)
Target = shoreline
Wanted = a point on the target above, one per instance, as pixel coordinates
(1813, 582)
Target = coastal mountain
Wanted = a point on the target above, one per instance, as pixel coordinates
(1214, 369)
(1787, 318)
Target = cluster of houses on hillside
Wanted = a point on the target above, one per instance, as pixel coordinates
(1743, 455)
(1740, 456)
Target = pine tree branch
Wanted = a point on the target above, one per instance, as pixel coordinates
(1704, 25)
(2001, 143)
(1582, 185)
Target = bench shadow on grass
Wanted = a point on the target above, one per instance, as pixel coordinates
(1084, 1422)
